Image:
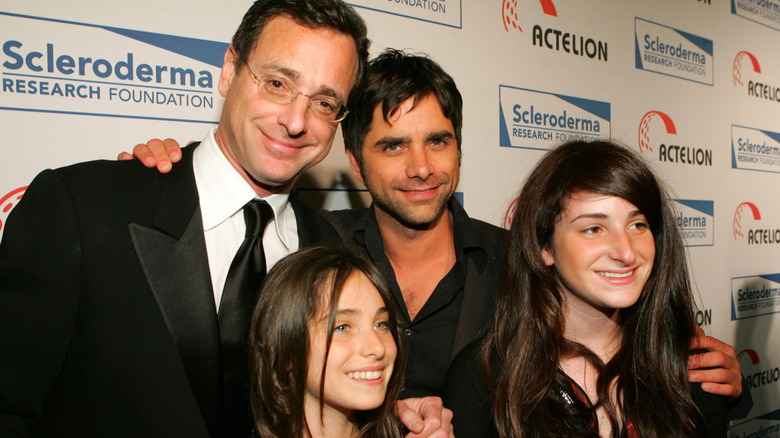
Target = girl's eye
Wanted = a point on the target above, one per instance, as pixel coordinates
(382, 325)
(341, 328)
(592, 230)
(640, 226)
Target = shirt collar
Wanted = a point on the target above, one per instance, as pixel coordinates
(466, 240)
(223, 191)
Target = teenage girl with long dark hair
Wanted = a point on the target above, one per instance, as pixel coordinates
(323, 349)
(595, 315)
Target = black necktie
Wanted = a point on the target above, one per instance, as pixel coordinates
(245, 276)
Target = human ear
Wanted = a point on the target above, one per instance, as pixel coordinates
(353, 164)
(228, 71)
(548, 257)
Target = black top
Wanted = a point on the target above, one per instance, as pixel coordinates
(430, 337)
(471, 400)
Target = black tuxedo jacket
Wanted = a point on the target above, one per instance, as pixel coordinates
(108, 325)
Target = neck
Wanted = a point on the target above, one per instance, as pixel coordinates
(406, 245)
(333, 423)
(261, 189)
(596, 329)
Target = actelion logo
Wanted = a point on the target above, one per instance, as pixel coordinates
(649, 135)
(645, 126)
(743, 210)
(755, 89)
(739, 60)
(555, 39)
(747, 213)
(510, 17)
(760, 377)
(510, 213)
(7, 203)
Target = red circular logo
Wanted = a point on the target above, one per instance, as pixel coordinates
(510, 213)
(8, 202)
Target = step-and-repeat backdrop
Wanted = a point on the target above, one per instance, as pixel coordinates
(692, 85)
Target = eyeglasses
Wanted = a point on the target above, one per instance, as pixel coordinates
(278, 90)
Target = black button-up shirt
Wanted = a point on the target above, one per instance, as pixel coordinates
(428, 339)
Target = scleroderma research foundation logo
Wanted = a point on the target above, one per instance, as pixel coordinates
(56, 66)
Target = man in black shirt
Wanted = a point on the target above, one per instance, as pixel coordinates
(403, 140)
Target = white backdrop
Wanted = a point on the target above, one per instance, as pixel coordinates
(691, 84)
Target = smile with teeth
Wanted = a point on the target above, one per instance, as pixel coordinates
(615, 274)
(365, 375)
(420, 190)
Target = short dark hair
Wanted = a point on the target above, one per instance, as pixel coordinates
(316, 14)
(392, 78)
(292, 296)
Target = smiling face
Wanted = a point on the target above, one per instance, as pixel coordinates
(268, 143)
(362, 352)
(603, 252)
(410, 164)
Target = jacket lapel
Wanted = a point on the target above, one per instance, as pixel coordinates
(174, 260)
(313, 229)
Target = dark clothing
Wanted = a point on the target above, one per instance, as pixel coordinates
(108, 325)
(471, 400)
(461, 306)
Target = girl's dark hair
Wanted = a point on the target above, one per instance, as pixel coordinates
(651, 366)
(291, 297)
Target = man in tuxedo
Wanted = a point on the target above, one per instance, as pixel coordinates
(120, 312)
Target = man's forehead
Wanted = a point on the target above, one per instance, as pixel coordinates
(411, 105)
(316, 56)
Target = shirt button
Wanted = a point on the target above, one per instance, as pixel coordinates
(408, 332)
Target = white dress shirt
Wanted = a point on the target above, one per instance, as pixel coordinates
(223, 194)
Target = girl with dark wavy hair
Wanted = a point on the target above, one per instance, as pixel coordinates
(596, 313)
(323, 349)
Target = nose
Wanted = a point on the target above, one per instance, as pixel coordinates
(294, 116)
(419, 164)
(372, 345)
(622, 249)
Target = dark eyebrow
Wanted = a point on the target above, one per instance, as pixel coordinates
(295, 76)
(590, 216)
(342, 312)
(633, 214)
(350, 312)
(439, 136)
(389, 141)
